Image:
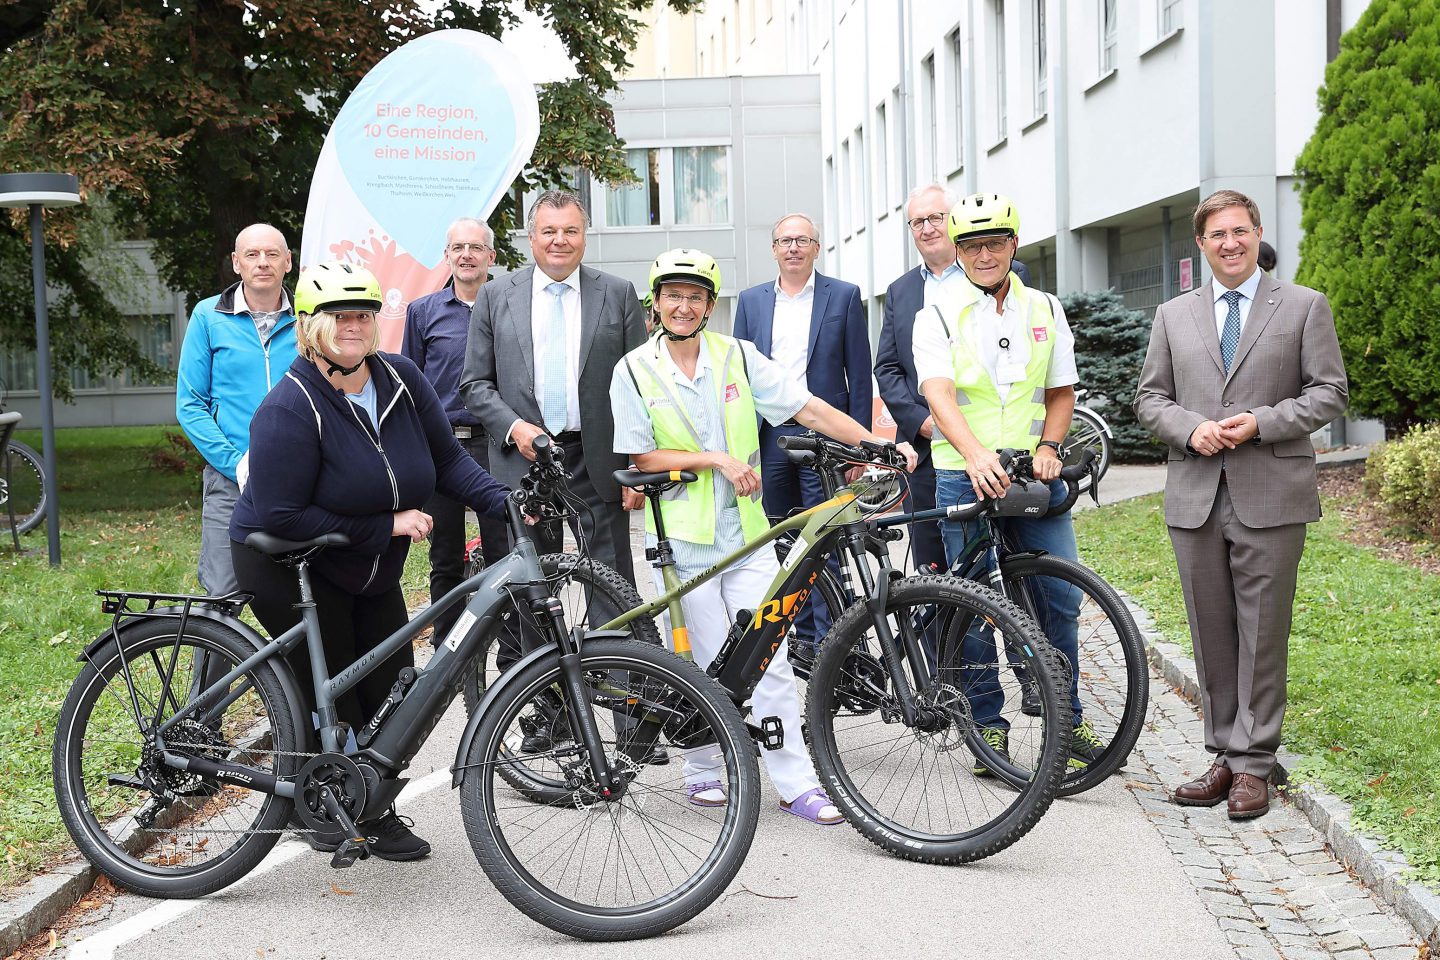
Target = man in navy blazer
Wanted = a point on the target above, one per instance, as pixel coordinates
(814, 326)
(924, 286)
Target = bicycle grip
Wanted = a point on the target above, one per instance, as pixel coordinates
(799, 443)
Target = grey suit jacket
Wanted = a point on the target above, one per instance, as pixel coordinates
(498, 384)
(1287, 372)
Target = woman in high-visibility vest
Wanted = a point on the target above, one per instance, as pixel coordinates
(688, 399)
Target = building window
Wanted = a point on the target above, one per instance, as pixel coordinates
(1170, 16)
(957, 72)
(702, 185)
(1040, 59)
(637, 205)
(1109, 34)
(927, 110)
(842, 196)
(832, 201)
(156, 336)
(882, 165)
(998, 51)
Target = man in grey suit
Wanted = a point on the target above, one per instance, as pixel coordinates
(543, 343)
(1238, 374)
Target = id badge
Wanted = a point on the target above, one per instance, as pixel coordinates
(1009, 371)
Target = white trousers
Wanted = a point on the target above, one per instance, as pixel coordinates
(710, 609)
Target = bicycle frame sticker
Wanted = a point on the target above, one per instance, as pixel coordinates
(797, 550)
(462, 627)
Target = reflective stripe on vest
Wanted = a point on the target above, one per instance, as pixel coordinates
(689, 509)
(1019, 419)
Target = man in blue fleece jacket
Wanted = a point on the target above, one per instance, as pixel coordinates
(237, 346)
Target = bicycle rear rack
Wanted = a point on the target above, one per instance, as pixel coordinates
(117, 602)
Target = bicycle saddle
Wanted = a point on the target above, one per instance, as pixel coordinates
(273, 546)
(661, 481)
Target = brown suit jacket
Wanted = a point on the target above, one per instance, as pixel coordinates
(1287, 372)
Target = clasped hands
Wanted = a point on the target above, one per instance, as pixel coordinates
(1213, 437)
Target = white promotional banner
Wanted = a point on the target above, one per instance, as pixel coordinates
(437, 130)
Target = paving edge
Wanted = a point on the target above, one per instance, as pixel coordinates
(37, 904)
(1380, 869)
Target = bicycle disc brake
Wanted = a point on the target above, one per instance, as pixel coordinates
(345, 781)
(953, 720)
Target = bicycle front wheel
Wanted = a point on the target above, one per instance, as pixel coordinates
(645, 859)
(930, 791)
(159, 831)
(22, 489)
(1110, 687)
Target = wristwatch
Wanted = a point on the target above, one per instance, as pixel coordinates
(1053, 444)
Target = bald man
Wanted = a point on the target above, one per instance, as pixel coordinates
(237, 345)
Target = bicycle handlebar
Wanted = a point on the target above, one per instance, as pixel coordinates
(868, 451)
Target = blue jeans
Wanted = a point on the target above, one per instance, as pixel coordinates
(1058, 602)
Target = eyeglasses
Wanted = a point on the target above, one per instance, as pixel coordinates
(1219, 236)
(468, 247)
(696, 300)
(799, 243)
(936, 220)
(993, 245)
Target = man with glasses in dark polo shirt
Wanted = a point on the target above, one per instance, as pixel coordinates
(436, 328)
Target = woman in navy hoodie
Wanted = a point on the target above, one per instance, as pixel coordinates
(352, 441)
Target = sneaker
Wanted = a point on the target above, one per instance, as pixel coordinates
(998, 739)
(1030, 698)
(319, 842)
(544, 728)
(1085, 745)
(390, 838)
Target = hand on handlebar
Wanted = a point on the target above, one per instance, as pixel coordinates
(523, 435)
(911, 457)
(1046, 464)
(414, 524)
(744, 479)
(987, 474)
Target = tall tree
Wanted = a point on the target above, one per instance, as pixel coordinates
(194, 118)
(1370, 200)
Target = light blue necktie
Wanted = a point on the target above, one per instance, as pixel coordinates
(1230, 337)
(552, 400)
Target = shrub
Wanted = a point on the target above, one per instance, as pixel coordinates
(1110, 342)
(175, 455)
(1404, 477)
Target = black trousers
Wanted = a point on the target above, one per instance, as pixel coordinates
(350, 626)
(447, 538)
(606, 527)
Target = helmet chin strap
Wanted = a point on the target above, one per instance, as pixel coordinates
(336, 368)
(995, 290)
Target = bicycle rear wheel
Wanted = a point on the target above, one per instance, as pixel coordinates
(929, 792)
(22, 488)
(636, 866)
(1087, 431)
(150, 828)
(1111, 673)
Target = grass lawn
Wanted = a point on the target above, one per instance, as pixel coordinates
(1364, 665)
(123, 524)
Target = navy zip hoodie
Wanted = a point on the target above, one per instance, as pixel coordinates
(317, 466)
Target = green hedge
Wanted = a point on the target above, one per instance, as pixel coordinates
(1404, 476)
(1110, 342)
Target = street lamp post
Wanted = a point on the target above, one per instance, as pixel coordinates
(38, 191)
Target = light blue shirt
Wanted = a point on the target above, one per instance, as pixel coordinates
(1247, 297)
(777, 399)
(365, 400)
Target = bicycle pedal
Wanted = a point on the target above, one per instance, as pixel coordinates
(354, 848)
(772, 733)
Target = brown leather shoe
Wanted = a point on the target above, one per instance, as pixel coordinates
(1210, 789)
(1249, 797)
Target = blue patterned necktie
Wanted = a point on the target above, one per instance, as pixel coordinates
(552, 399)
(1230, 338)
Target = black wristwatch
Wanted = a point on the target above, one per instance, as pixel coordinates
(1053, 444)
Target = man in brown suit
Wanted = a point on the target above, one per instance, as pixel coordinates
(1238, 374)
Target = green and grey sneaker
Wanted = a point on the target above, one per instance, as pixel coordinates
(1085, 745)
(998, 739)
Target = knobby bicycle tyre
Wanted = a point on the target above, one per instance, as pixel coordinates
(638, 865)
(209, 835)
(1112, 675)
(22, 488)
(931, 795)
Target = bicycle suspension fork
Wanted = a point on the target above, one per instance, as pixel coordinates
(877, 597)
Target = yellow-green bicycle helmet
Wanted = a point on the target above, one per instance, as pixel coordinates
(685, 266)
(336, 285)
(983, 215)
